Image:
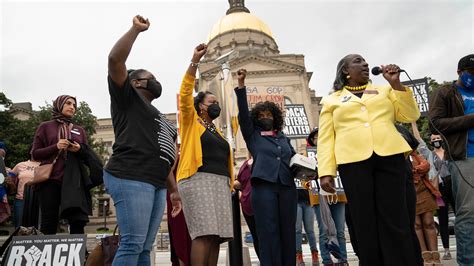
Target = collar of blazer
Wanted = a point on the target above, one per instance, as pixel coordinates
(347, 96)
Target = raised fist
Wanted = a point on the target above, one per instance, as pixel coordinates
(140, 23)
(199, 52)
(241, 74)
(32, 255)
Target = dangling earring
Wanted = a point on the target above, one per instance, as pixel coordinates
(348, 77)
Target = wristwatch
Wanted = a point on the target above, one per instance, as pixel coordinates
(194, 64)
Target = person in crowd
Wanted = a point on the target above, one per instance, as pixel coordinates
(274, 196)
(410, 191)
(425, 207)
(337, 208)
(355, 123)
(180, 240)
(5, 211)
(305, 217)
(451, 115)
(144, 153)
(440, 177)
(205, 171)
(60, 140)
(24, 172)
(244, 185)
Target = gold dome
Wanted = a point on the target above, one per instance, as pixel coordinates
(239, 21)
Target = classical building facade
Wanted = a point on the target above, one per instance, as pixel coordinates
(282, 78)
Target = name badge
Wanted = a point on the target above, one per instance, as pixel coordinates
(371, 92)
(268, 133)
(75, 132)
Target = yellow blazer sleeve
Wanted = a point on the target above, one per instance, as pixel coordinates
(326, 141)
(406, 108)
(186, 101)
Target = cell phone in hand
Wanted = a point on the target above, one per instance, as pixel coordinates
(70, 141)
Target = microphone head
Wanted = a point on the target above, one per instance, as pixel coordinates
(376, 70)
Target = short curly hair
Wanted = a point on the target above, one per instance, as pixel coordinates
(277, 114)
(199, 98)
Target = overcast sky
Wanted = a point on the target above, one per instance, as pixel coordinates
(53, 48)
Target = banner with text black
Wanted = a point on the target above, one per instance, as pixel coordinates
(38, 250)
(296, 121)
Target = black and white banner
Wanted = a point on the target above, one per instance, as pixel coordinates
(311, 152)
(296, 121)
(42, 250)
(420, 92)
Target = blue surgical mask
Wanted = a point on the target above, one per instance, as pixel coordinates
(467, 80)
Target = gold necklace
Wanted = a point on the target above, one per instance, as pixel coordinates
(211, 126)
(357, 88)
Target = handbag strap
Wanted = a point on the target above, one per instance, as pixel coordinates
(115, 230)
(56, 158)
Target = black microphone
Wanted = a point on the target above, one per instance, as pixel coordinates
(378, 70)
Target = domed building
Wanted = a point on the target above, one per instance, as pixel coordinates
(281, 78)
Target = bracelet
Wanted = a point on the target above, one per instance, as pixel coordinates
(194, 64)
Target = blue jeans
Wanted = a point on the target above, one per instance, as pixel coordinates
(305, 216)
(338, 215)
(463, 195)
(139, 208)
(18, 209)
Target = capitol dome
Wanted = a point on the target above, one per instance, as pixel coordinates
(239, 21)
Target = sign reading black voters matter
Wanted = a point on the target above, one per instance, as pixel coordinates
(41, 250)
(296, 121)
(420, 92)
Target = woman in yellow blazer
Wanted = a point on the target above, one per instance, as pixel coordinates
(205, 170)
(358, 137)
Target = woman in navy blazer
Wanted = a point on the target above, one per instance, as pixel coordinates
(274, 196)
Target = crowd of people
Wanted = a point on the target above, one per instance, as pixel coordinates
(373, 175)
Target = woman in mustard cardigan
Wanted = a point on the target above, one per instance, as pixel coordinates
(357, 136)
(205, 170)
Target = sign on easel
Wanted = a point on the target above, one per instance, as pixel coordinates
(45, 250)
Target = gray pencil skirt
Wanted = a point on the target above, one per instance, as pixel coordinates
(207, 205)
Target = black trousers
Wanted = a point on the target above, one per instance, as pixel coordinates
(250, 220)
(274, 207)
(31, 207)
(376, 191)
(50, 199)
(447, 194)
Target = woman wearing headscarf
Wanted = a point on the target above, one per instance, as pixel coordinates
(205, 170)
(53, 139)
(358, 138)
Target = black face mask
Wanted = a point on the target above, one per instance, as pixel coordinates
(437, 144)
(213, 110)
(153, 86)
(265, 123)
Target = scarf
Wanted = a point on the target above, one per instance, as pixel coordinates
(66, 122)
